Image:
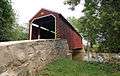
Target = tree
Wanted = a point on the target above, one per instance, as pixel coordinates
(20, 33)
(101, 23)
(88, 24)
(7, 21)
(72, 3)
(109, 14)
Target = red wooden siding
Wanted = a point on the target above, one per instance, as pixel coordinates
(64, 29)
(66, 32)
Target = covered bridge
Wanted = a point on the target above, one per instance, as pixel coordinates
(47, 24)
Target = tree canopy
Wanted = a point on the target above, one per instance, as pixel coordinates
(9, 29)
(100, 23)
(7, 20)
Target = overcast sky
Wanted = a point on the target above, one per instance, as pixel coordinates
(26, 9)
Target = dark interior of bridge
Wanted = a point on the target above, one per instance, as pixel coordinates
(43, 28)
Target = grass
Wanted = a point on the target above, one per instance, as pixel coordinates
(66, 67)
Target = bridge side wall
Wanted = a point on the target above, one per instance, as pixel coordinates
(26, 58)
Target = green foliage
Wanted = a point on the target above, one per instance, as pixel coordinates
(88, 25)
(72, 3)
(7, 20)
(66, 67)
(9, 29)
(20, 33)
(110, 25)
(101, 24)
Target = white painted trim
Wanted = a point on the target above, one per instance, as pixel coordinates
(35, 25)
(30, 30)
(43, 17)
(42, 28)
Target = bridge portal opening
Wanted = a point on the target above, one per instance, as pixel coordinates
(43, 27)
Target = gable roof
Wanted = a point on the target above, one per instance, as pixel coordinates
(60, 16)
(42, 10)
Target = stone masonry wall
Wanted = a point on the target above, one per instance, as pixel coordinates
(102, 57)
(26, 58)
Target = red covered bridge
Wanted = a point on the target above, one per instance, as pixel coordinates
(51, 25)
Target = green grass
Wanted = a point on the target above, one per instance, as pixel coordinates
(66, 67)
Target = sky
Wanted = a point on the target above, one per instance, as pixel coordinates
(26, 9)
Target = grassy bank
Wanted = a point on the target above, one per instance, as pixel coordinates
(66, 67)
